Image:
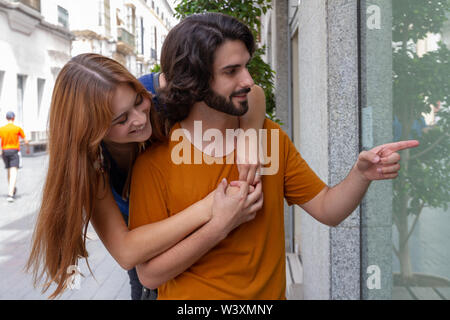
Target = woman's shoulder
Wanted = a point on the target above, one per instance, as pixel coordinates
(150, 81)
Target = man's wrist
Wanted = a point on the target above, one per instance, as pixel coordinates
(361, 177)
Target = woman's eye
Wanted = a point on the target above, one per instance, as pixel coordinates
(125, 118)
(139, 99)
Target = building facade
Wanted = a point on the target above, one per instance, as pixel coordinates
(129, 31)
(344, 85)
(32, 53)
(38, 37)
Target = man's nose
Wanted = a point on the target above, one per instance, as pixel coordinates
(247, 80)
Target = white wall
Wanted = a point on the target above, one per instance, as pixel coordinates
(38, 54)
(34, 45)
(83, 15)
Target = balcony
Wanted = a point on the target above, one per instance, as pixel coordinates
(125, 41)
(34, 4)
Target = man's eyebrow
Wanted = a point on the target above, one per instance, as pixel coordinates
(237, 65)
(231, 66)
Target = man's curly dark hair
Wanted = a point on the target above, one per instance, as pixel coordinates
(187, 59)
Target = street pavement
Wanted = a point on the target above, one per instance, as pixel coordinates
(17, 222)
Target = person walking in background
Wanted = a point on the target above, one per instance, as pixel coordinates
(10, 134)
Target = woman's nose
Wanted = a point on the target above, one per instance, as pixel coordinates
(139, 117)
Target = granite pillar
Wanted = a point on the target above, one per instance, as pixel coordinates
(329, 139)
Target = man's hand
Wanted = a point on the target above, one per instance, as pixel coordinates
(382, 162)
(249, 173)
(247, 160)
(235, 204)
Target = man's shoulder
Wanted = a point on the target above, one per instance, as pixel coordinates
(159, 153)
(155, 156)
(156, 152)
(272, 126)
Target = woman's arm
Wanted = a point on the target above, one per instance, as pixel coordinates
(130, 248)
(232, 207)
(253, 119)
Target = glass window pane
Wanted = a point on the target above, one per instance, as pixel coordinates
(63, 17)
(405, 91)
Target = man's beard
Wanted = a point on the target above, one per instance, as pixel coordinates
(222, 104)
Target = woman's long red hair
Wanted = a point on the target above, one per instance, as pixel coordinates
(80, 116)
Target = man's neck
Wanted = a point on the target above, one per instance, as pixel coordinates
(210, 119)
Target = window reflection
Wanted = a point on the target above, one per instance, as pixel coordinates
(420, 110)
(420, 90)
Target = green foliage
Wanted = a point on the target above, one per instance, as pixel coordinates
(246, 11)
(413, 19)
(156, 68)
(249, 12)
(417, 83)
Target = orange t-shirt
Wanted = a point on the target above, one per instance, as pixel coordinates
(250, 262)
(9, 135)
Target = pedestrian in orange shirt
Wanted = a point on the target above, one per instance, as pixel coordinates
(9, 134)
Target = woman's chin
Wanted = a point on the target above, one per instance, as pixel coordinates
(143, 136)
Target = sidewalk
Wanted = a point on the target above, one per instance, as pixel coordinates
(16, 226)
(111, 282)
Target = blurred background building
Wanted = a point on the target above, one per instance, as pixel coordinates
(37, 37)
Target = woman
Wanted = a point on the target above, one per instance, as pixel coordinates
(100, 118)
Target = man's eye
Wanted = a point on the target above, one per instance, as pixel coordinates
(230, 72)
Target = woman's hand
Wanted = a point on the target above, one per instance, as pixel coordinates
(235, 204)
(207, 206)
(232, 206)
(247, 159)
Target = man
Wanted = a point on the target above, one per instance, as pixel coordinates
(205, 61)
(10, 134)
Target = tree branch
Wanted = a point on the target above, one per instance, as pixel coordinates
(395, 218)
(430, 147)
(396, 252)
(414, 224)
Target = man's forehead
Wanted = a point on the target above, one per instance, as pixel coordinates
(231, 53)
